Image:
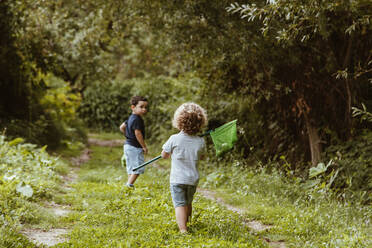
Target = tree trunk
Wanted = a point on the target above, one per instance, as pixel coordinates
(347, 87)
(348, 110)
(314, 142)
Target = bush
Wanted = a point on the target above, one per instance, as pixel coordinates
(51, 119)
(353, 161)
(27, 174)
(106, 105)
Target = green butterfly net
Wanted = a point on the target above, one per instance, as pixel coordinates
(224, 137)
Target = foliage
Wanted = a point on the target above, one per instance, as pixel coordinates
(303, 216)
(295, 95)
(86, 41)
(352, 161)
(327, 30)
(28, 175)
(25, 164)
(58, 101)
(245, 59)
(34, 105)
(347, 174)
(107, 105)
(15, 96)
(55, 120)
(363, 114)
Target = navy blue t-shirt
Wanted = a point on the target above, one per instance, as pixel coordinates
(134, 122)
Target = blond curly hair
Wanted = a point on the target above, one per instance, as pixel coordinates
(190, 118)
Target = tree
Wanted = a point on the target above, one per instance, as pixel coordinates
(25, 109)
(16, 87)
(332, 42)
(85, 41)
(301, 64)
(81, 42)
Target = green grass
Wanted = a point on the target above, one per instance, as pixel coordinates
(26, 166)
(104, 213)
(107, 214)
(300, 217)
(106, 135)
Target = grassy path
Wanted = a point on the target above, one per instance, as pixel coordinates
(234, 207)
(104, 213)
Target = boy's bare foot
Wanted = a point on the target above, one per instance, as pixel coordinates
(183, 231)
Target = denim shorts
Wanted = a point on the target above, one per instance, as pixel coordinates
(182, 194)
(133, 158)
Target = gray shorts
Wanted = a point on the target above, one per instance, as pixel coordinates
(182, 194)
(133, 158)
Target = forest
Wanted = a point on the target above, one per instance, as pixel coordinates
(296, 75)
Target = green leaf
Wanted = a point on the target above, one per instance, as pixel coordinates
(43, 148)
(314, 171)
(311, 183)
(16, 141)
(25, 190)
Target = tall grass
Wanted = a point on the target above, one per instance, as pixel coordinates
(302, 216)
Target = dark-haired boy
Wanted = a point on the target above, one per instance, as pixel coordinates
(134, 145)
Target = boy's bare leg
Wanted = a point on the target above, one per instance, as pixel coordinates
(132, 178)
(189, 212)
(181, 218)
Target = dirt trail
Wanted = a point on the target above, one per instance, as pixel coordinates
(254, 225)
(55, 236)
(47, 238)
(110, 143)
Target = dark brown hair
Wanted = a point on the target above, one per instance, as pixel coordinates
(136, 99)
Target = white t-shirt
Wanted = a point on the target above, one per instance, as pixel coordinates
(185, 150)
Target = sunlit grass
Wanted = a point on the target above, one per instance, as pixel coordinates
(106, 135)
(108, 214)
(300, 217)
(104, 213)
(26, 166)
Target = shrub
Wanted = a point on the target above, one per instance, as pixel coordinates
(106, 105)
(353, 161)
(52, 118)
(27, 175)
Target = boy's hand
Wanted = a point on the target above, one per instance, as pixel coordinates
(145, 150)
(140, 140)
(165, 155)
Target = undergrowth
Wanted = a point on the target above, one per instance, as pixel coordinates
(303, 216)
(104, 213)
(28, 176)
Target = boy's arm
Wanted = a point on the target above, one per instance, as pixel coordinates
(122, 127)
(140, 139)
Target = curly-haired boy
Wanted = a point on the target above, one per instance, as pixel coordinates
(185, 150)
